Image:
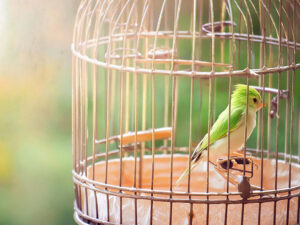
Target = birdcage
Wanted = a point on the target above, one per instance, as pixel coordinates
(150, 78)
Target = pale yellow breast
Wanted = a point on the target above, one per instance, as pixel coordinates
(237, 137)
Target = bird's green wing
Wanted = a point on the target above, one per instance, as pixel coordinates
(220, 128)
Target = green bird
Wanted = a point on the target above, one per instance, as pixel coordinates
(218, 133)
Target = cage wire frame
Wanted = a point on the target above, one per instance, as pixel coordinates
(135, 41)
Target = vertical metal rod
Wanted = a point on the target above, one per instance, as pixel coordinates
(121, 85)
(122, 95)
(114, 96)
(278, 111)
(74, 99)
(77, 38)
(228, 147)
(210, 118)
(98, 23)
(127, 85)
(153, 144)
(153, 104)
(167, 80)
(191, 106)
(261, 63)
(113, 99)
(247, 97)
(121, 142)
(79, 132)
(135, 138)
(94, 110)
(84, 104)
(75, 125)
(262, 148)
(74, 120)
(80, 99)
(76, 68)
(80, 135)
(172, 144)
(127, 94)
(153, 122)
(75, 105)
(270, 85)
(144, 94)
(222, 41)
(174, 102)
(207, 165)
(239, 30)
(110, 95)
(291, 97)
(135, 81)
(287, 105)
(214, 93)
(145, 10)
(276, 154)
(242, 15)
(80, 128)
(135, 141)
(190, 147)
(245, 142)
(107, 136)
(262, 138)
(166, 109)
(199, 48)
(85, 95)
(232, 62)
(85, 125)
(144, 117)
(135, 84)
(287, 102)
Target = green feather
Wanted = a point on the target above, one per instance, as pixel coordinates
(220, 127)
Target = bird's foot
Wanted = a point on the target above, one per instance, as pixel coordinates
(238, 156)
(224, 164)
(235, 163)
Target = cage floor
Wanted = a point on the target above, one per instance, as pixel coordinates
(181, 211)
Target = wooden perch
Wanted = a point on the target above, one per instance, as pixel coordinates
(142, 136)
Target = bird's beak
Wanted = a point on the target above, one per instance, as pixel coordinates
(260, 105)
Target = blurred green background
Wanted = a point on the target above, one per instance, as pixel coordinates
(35, 111)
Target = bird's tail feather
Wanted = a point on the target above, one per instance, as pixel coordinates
(185, 173)
(196, 157)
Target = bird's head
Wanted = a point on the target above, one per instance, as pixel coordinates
(239, 97)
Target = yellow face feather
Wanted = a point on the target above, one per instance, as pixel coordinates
(239, 97)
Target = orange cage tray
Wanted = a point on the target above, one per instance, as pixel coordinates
(181, 211)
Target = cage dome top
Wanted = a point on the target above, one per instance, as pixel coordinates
(186, 38)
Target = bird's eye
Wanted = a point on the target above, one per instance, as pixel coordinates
(255, 100)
